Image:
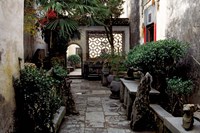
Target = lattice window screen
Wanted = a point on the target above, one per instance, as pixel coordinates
(98, 43)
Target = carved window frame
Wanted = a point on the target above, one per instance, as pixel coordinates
(103, 33)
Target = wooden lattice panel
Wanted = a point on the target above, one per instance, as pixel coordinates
(98, 43)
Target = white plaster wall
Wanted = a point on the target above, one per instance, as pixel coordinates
(126, 9)
(11, 48)
(72, 49)
(141, 23)
(83, 29)
(161, 20)
(39, 43)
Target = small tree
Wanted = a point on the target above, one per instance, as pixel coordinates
(178, 90)
(115, 10)
(74, 60)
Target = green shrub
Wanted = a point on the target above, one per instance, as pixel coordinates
(117, 63)
(178, 91)
(37, 99)
(178, 86)
(59, 72)
(55, 61)
(74, 59)
(157, 57)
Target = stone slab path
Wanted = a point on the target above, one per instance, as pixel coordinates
(98, 113)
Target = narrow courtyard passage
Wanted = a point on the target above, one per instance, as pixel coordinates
(98, 113)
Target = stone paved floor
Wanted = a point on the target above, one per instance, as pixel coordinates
(98, 113)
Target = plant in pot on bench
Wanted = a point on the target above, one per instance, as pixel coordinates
(178, 91)
(74, 60)
(118, 70)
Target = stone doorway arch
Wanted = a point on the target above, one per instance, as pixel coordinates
(75, 49)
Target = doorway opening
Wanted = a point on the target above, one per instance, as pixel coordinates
(150, 33)
(74, 60)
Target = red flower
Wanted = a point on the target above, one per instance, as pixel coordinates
(51, 14)
(43, 21)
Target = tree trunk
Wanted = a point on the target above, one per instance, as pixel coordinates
(109, 34)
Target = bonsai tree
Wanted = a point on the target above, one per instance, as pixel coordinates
(178, 90)
(117, 64)
(74, 60)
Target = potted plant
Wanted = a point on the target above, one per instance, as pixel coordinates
(74, 60)
(178, 91)
(118, 70)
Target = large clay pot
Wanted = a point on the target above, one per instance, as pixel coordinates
(115, 89)
(105, 73)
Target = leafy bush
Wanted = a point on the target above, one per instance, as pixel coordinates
(37, 99)
(179, 87)
(178, 91)
(59, 72)
(55, 61)
(157, 57)
(117, 63)
(74, 59)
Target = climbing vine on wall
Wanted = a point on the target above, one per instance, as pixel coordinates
(30, 17)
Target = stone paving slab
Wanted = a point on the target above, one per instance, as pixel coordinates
(94, 119)
(95, 130)
(97, 112)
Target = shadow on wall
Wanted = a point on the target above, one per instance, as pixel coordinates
(5, 110)
(2, 99)
(0, 56)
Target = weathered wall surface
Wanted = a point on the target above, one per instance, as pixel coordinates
(161, 19)
(134, 22)
(32, 43)
(179, 19)
(11, 48)
(184, 24)
(29, 47)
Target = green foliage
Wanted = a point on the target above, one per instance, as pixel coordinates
(157, 57)
(178, 86)
(115, 7)
(115, 10)
(30, 17)
(178, 91)
(57, 61)
(70, 13)
(74, 59)
(59, 72)
(116, 62)
(104, 56)
(37, 100)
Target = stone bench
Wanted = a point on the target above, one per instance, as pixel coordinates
(159, 111)
(166, 122)
(174, 124)
(128, 90)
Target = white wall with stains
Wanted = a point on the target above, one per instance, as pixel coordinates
(11, 48)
